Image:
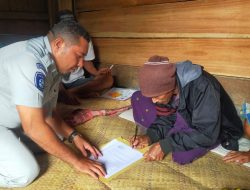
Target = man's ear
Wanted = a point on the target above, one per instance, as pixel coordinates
(58, 44)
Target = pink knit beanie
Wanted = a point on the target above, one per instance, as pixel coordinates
(157, 76)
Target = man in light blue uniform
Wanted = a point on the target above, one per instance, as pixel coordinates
(30, 73)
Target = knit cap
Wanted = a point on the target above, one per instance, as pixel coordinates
(157, 76)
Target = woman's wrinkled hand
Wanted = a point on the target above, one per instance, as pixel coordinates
(154, 153)
(140, 141)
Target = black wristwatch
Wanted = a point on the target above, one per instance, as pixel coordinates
(73, 135)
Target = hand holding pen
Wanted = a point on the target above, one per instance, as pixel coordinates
(105, 71)
(134, 140)
(139, 141)
(111, 67)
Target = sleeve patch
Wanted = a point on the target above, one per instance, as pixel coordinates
(39, 81)
(41, 66)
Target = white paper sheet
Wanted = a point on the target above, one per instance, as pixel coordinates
(128, 115)
(117, 156)
(119, 93)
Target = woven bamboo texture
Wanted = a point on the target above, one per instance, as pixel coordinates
(208, 172)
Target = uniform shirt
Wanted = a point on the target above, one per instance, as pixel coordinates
(28, 77)
(79, 72)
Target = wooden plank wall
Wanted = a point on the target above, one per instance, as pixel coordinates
(213, 33)
(28, 17)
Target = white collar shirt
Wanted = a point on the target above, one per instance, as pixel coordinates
(28, 77)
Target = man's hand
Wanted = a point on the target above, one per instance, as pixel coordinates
(33, 120)
(238, 157)
(104, 71)
(140, 141)
(83, 146)
(155, 153)
(91, 167)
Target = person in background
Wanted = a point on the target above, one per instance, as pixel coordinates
(30, 74)
(75, 85)
(193, 111)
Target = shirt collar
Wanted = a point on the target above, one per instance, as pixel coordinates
(49, 61)
(47, 44)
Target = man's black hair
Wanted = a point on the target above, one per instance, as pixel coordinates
(71, 30)
(68, 26)
(65, 15)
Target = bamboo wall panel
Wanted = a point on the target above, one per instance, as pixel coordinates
(4, 5)
(24, 27)
(86, 5)
(23, 5)
(229, 57)
(16, 5)
(65, 4)
(29, 17)
(37, 6)
(24, 15)
(191, 17)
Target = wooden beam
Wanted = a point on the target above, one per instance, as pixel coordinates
(65, 4)
(190, 17)
(86, 5)
(52, 10)
(167, 35)
(229, 57)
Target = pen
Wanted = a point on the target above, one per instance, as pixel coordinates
(111, 67)
(136, 130)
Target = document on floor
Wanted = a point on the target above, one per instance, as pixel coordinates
(128, 115)
(118, 156)
(119, 93)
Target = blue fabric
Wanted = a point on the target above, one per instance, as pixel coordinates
(187, 72)
(245, 112)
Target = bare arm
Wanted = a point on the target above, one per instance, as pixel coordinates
(39, 131)
(89, 66)
(60, 127)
